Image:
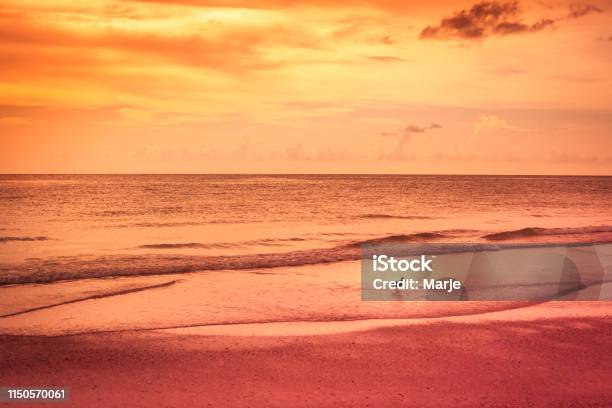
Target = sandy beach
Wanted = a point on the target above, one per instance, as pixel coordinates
(555, 354)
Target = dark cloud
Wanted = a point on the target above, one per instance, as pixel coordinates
(542, 24)
(414, 129)
(515, 28)
(417, 129)
(404, 135)
(482, 20)
(580, 10)
(385, 58)
(411, 129)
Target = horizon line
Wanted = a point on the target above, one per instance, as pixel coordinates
(306, 174)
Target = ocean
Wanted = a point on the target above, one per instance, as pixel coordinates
(67, 227)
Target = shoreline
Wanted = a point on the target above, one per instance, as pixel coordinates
(518, 312)
(312, 293)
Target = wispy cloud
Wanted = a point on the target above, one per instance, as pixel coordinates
(232, 49)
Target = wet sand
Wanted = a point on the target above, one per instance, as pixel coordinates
(527, 357)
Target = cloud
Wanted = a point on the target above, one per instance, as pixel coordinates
(516, 28)
(488, 124)
(482, 20)
(580, 10)
(411, 129)
(405, 135)
(395, 6)
(13, 120)
(21, 115)
(385, 58)
(31, 43)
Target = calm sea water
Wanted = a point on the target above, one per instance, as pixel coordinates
(71, 226)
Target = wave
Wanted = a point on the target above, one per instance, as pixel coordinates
(391, 216)
(417, 237)
(539, 232)
(13, 197)
(336, 234)
(61, 268)
(92, 297)
(181, 245)
(117, 213)
(156, 224)
(53, 269)
(56, 269)
(223, 245)
(9, 239)
(169, 224)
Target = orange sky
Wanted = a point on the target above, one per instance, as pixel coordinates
(287, 86)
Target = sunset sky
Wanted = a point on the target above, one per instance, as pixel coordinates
(288, 86)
